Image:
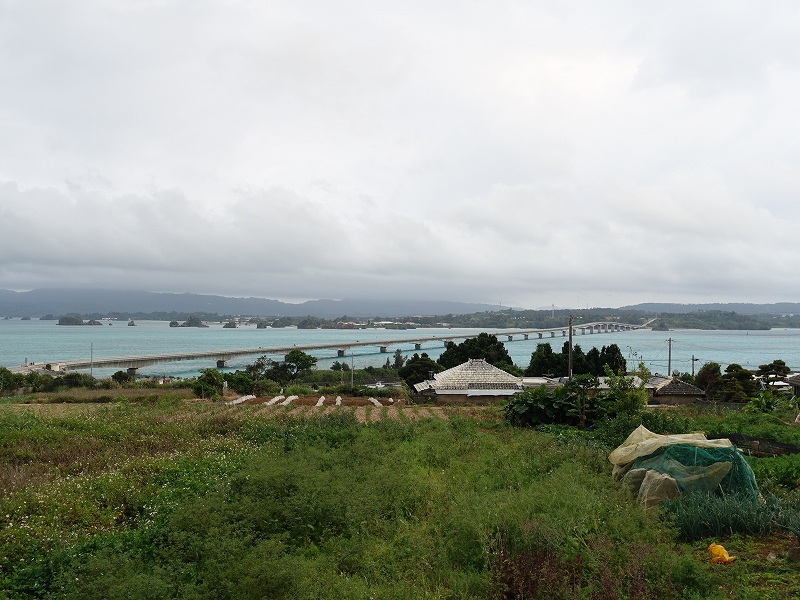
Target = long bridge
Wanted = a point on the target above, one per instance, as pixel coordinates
(133, 363)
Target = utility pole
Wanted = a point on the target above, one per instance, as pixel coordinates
(91, 359)
(669, 360)
(694, 360)
(569, 366)
(351, 369)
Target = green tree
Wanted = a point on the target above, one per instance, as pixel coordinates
(580, 365)
(122, 377)
(76, 380)
(773, 372)
(258, 370)
(294, 365)
(612, 356)
(582, 389)
(708, 377)
(6, 381)
(625, 395)
(37, 381)
(485, 346)
(419, 368)
(594, 361)
(399, 360)
(240, 382)
(208, 384)
(298, 362)
(510, 368)
(737, 384)
(544, 362)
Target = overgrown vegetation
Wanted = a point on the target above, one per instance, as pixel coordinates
(138, 493)
(579, 401)
(310, 508)
(160, 498)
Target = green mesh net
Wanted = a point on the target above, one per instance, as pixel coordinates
(657, 467)
(703, 469)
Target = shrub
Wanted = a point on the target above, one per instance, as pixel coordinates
(122, 377)
(208, 384)
(265, 387)
(240, 382)
(570, 404)
(75, 380)
(782, 471)
(298, 390)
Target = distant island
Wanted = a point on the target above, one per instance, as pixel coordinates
(75, 320)
(192, 321)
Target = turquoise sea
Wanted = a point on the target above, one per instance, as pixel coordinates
(45, 341)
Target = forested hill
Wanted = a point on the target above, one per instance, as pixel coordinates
(779, 308)
(709, 319)
(36, 303)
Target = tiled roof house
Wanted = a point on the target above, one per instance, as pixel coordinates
(475, 377)
(671, 390)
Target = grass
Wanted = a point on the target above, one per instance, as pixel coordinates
(163, 498)
(82, 396)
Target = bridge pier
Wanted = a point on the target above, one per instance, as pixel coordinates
(417, 346)
(132, 371)
(563, 333)
(510, 338)
(340, 353)
(222, 363)
(552, 334)
(384, 348)
(525, 336)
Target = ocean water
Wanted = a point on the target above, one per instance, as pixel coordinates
(45, 341)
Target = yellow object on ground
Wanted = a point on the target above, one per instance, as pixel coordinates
(719, 554)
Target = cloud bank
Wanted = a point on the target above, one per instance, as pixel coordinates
(508, 152)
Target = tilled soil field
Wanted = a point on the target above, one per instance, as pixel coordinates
(365, 410)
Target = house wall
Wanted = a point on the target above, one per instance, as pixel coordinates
(457, 399)
(675, 399)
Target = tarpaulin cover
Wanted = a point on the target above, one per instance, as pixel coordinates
(657, 467)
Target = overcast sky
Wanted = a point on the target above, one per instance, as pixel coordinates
(515, 153)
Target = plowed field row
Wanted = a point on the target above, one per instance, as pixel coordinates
(363, 413)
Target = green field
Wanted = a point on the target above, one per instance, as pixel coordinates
(158, 497)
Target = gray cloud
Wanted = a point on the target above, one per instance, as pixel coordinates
(528, 154)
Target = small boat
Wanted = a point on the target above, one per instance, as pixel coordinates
(131, 323)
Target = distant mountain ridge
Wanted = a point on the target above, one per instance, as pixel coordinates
(778, 308)
(56, 301)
